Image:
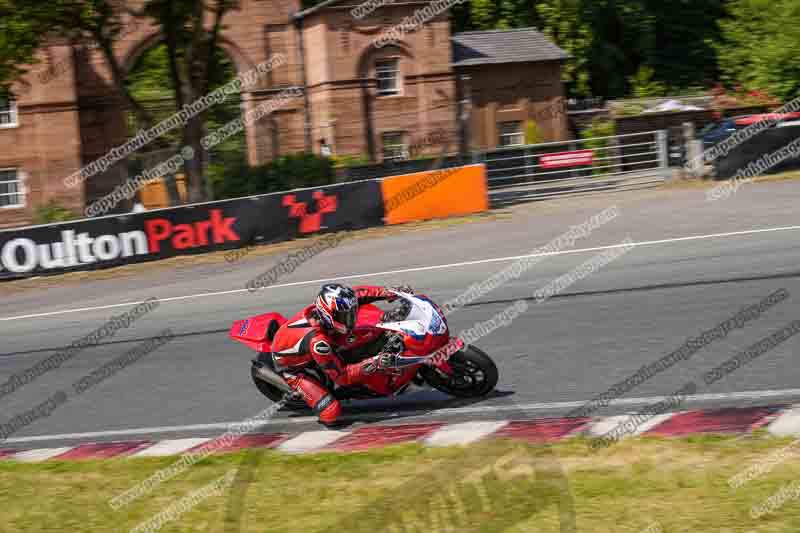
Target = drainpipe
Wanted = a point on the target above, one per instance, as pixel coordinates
(465, 116)
(298, 21)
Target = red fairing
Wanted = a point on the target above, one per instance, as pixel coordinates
(368, 316)
(442, 354)
(253, 331)
(426, 345)
(365, 330)
(293, 342)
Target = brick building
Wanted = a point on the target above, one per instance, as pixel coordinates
(359, 99)
(511, 77)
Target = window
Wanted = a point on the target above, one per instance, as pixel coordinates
(511, 134)
(388, 72)
(394, 147)
(11, 191)
(8, 113)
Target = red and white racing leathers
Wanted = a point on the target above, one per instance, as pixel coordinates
(300, 341)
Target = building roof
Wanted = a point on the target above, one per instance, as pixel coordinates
(327, 3)
(504, 46)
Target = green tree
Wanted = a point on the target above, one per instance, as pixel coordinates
(193, 57)
(565, 23)
(644, 85)
(190, 29)
(484, 14)
(150, 83)
(760, 47)
(19, 39)
(680, 41)
(596, 137)
(611, 40)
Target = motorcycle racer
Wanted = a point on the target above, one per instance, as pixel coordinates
(317, 334)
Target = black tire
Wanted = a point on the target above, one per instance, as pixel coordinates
(274, 393)
(469, 363)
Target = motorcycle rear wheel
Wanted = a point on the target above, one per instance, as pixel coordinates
(274, 393)
(475, 374)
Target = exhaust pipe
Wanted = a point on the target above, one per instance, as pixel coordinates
(265, 374)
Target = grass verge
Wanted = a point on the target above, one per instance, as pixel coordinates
(664, 485)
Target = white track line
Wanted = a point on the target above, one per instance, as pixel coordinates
(309, 441)
(787, 424)
(37, 456)
(169, 447)
(414, 269)
(386, 417)
(603, 425)
(463, 433)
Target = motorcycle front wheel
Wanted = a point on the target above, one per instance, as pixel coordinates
(474, 374)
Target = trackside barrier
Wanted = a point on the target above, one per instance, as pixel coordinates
(555, 169)
(117, 240)
(436, 194)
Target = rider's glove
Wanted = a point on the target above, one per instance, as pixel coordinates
(386, 361)
(404, 288)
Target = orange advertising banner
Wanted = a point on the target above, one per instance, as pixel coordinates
(437, 193)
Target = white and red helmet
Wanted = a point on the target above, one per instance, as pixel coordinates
(337, 307)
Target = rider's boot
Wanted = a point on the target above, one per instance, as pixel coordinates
(318, 398)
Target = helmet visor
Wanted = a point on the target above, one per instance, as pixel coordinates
(346, 317)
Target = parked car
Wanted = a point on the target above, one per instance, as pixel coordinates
(716, 132)
(783, 129)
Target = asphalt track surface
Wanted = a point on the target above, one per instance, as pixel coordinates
(559, 353)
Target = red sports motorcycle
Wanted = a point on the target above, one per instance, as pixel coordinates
(431, 355)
